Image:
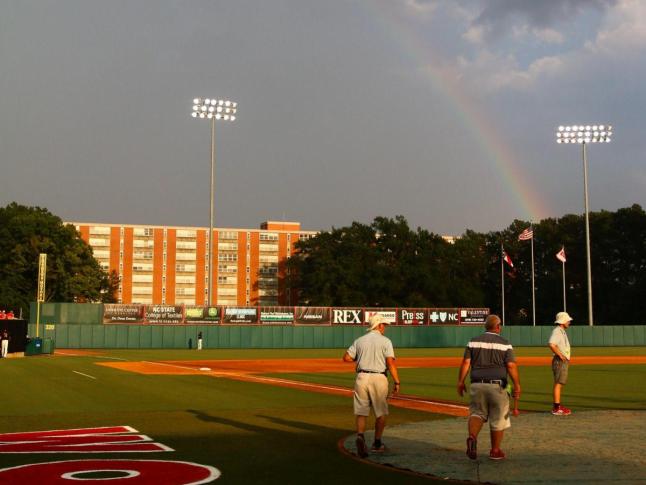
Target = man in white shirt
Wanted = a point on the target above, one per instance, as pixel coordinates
(374, 357)
(560, 346)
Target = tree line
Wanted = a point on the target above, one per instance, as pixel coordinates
(383, 264)
(73, 274)
(388, 264)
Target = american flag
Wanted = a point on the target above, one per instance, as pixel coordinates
(526, 235)
(561, 255)
(507, 259)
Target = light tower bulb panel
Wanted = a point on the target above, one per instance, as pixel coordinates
(583, 134)
(209, 108)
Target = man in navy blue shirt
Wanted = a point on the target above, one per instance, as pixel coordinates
(491, 359)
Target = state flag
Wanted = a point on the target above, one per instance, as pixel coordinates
(561, 255)
(507, 259)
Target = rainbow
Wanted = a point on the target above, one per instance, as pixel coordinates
(531, 205)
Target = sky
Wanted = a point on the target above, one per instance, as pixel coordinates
(442, 112)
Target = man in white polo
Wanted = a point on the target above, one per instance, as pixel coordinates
(560, 345)
(374, 357)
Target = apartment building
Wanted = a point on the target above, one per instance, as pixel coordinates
(170, 265)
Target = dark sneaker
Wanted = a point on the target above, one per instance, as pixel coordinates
(472, 448)
(362, 448)
(497, 454)
(378, 449)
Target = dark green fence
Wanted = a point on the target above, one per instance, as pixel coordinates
(289, 336)
(79, 325)
(78, 313)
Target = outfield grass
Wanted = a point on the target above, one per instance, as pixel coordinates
(254, 432)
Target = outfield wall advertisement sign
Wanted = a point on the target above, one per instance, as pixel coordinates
(444, 316)
(412, 316)
(473, 316)
(113, 313)
(288, 315)
(388, 314)
(305, 315)
(277, 314)
(203, 314)
(347, 316)
(164, 313)
(237, 314)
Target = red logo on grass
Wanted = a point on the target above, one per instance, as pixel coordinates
(121, 439)
(126, 472)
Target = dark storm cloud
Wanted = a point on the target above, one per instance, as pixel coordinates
(498, 15)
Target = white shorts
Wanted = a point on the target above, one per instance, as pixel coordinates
(370, 390)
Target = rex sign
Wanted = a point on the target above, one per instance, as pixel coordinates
(347, 316)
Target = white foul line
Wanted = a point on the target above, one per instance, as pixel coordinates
(66, 354)
(257, 378)
(86, 375)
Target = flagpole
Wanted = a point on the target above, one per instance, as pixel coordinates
(564, 302)
(533, 286)
(502, 273)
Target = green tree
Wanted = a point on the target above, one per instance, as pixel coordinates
(385, 264)
(618, 259)
(73, 275)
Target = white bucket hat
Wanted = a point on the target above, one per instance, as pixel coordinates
(376, 320)
(562, 317)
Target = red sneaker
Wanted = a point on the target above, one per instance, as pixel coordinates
(472, 448)
(497, 454)
(561, 411)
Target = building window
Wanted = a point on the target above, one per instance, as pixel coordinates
(228, 235)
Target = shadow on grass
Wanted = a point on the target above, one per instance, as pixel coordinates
(291, 448)
(254, 428)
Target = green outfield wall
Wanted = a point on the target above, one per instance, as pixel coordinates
(80, 325)
(102, 336)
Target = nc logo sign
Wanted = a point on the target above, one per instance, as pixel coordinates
(447, 316)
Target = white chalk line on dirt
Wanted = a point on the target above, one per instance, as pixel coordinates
(306, 385)
(345, 390)
(86, 375)
(67, 354)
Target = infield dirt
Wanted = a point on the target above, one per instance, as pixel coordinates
(592, 447)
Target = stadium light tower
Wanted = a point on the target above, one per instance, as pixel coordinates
(584, 134)
(213, 109)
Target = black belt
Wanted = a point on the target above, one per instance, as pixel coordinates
(371, 372)
(500, 382)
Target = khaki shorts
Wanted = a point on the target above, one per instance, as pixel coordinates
(490, 402)
(560, 370)
(370, 390)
